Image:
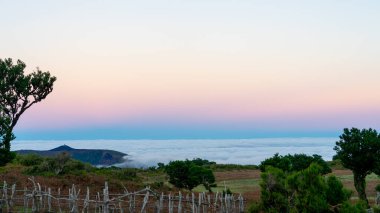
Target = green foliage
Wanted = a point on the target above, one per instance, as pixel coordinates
(202, 162)
(347, 207)
(53, 166)
(335, 192)
(302, 191)
(187, 174)
(29, 159)
(377, 188)
(308, 189)
(18, 93)
(160, 166)
(296, 162)
(203, 176)
(274, 195)
(255, 208)
(359, 150)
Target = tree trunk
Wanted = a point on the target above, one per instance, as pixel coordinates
(359, 182)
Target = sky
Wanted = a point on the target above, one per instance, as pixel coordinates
(197, 69)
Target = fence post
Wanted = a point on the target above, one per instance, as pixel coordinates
(221, 203)
(192, 203)
(39, 205)
(146, 198)
(5, 195)
(160, 203)
(86, 201)
(73, 197)
(105, 198)
(241, 203)
(179, 202)
(98, 206)
(25, 200)
(58, 200)
(49, 200)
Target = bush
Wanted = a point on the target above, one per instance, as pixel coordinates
(29, 159)
(302, 191)
(52, 166)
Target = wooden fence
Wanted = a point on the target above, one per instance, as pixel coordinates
(42, 199)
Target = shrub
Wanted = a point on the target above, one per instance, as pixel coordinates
(52, 166)
(302, 191)
(29, 159)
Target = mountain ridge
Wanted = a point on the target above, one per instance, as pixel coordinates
(96, 157)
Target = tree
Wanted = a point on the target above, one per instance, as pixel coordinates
(186, 174)
(308, 189)
(18, 92)
(359, 150)
(296, 162)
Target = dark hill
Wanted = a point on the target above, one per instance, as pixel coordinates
(93, 156)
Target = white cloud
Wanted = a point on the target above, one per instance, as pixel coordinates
(143, 153)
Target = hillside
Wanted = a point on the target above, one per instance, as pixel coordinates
(92, 156)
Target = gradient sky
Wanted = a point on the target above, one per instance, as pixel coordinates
(197, 69)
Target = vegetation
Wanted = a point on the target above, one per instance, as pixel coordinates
(62, 164)
(359, 150)
(18, 93)
(52, 166)
(302, 191)
(189, 174)
(296, 162)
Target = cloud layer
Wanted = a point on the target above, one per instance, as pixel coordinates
(144, 153)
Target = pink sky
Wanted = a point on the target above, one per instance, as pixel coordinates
(276, 67)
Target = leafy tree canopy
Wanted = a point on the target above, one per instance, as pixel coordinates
(18, 92)
(187, 174)
(296, 162)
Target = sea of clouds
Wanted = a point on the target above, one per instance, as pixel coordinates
(145, 153)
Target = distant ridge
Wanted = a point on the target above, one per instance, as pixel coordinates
(62, 148)
(96, 157)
